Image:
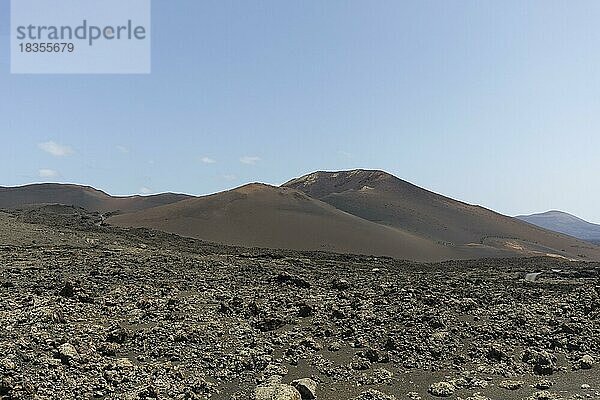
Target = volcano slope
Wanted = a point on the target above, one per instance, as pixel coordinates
(100, 312)
(385, 199)
(258, 215)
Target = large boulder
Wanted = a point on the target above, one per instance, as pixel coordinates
(307, 388)
(277, 392)
(544, 363)
(67, 353)
(442, 389)
(372, 394)
(586, 362)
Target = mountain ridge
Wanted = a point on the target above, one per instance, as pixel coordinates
(368, 212)
(82, 196)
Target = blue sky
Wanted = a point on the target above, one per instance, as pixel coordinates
(494, 103)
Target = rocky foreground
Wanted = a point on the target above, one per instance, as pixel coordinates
(95, 312)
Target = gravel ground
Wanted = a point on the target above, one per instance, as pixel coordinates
(96, 312)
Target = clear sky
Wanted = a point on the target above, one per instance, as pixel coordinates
(495, 103)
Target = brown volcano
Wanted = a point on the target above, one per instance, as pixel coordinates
(384, 199)
(259, 215)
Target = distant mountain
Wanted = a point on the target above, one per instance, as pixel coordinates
(563, 222)
(80, 196)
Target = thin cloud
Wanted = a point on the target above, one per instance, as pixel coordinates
(122, 149)
(55, 149)
(208, 160)
(145, 190)
(48, 173)
(249, 160)
(229, 177)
